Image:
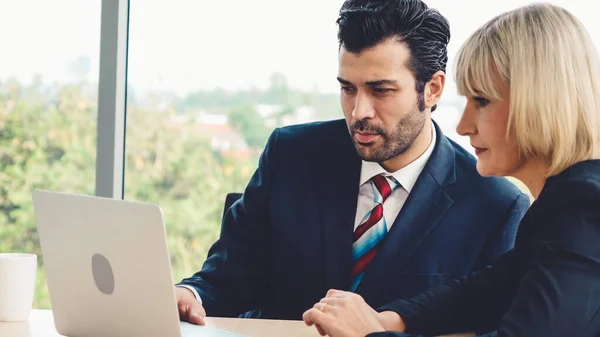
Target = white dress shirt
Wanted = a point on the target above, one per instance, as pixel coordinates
(196, 295)
(406, 176)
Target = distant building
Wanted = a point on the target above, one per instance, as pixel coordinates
(213, 127)
(303, 114)
(269, 113)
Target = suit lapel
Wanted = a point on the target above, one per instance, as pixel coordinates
(422, 211)
(339, 178)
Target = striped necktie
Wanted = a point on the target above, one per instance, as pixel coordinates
(369, 235)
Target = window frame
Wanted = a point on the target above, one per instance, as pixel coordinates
(112, 99)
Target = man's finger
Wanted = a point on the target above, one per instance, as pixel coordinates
(199, 310)
(196, 318)
(183, 311)
(196, 314)
(190, 310)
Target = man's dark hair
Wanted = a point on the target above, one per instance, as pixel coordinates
(363, 24)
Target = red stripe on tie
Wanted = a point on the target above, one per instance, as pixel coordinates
(376, 215)
(361, 264)
(382, 186)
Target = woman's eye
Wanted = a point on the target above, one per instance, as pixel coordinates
(481, 102)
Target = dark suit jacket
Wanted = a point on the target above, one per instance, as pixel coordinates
(289, 238)
(547, 286)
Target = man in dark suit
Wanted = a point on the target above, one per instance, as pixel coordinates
(381, 203)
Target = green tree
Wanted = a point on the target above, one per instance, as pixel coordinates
(48, 141)
(41, 146)
(246, 120)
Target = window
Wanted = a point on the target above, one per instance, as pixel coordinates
(207, 85)
(48, 99)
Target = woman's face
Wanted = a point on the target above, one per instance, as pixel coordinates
(484, 121)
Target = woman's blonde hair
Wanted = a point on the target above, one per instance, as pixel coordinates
(547, 59)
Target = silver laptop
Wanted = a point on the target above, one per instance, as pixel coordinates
(108, 268)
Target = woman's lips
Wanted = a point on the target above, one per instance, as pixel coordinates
(479, 150)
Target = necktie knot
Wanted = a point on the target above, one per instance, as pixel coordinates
(383, 186)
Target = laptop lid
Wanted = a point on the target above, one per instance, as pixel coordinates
(107, 266)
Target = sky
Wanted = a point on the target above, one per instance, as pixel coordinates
(186, 45)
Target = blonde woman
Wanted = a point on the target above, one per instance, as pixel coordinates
(532, 81)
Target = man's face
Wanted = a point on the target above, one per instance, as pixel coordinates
(379, 100)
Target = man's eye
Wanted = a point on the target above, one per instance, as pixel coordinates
(382, 90)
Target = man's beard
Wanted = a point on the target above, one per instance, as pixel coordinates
(395, 142)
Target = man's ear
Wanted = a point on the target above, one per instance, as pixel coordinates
(434, 89)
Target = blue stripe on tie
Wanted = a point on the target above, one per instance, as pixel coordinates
(365, 218)
(375, 235)
(356, 281)
(377, 198)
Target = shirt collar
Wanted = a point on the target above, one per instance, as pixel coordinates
(406, 176)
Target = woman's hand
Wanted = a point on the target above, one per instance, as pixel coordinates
(343, 314)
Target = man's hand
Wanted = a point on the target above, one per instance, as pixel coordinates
(343, 314)
(190, 310)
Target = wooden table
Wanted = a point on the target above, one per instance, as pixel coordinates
(41, 324)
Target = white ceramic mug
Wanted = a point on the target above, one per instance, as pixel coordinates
(17, 285)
